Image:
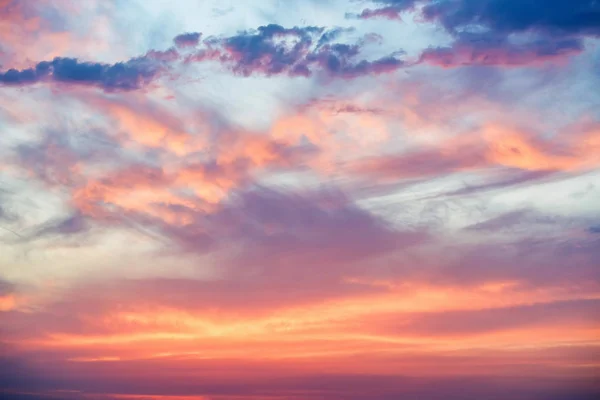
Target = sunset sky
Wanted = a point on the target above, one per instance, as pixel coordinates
(300, 199)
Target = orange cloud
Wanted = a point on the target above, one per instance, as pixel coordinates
(8, 302)
(145, 124)
(512, 148)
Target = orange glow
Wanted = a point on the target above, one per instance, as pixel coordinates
(330, 332)
(512, 149)
(7, 302)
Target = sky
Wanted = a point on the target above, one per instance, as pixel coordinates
(300, 199)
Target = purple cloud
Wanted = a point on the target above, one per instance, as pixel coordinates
(390, 9)
(386, 12)
(488, 49)
(187, 39)
(314, 228)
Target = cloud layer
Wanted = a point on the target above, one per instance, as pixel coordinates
(349, 200)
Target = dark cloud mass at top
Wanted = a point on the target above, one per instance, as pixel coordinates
(483, 27)
(559, 17)
(556, 28)
(270, 50)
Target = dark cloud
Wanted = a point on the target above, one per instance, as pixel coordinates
(338, 60)
(594, 229)
(268, 50)
(16, 77)
(553, 29)
(187, 39)
(129, 75)
(554, 17)
(260, 51)
(274, 50)
(557, 26)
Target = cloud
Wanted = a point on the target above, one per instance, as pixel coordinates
(252, 52)
(553, 31)
(328, 228)
(386, 12)
(58, 157)
(508, 179)
(392, 9)
(187, 39)
(231, 164)
(574, 313)
(129, 75)
(72, 225)
(338, 60)
(270, 50)
(554, 17)
(53, 160)
(526, 218)
(486, 49)
(545, 251)
(325, 223)
(286, 234)
(421, 163)
(497, 145)
(274, 50)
